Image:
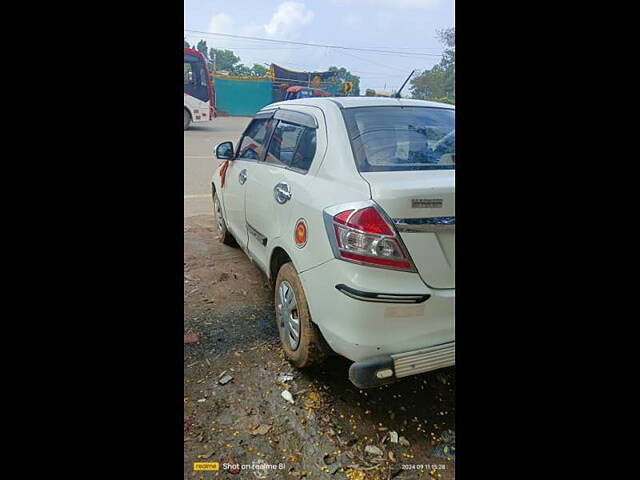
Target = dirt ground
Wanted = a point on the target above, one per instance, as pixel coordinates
(332, 430)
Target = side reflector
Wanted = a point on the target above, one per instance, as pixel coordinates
(300, 233)
(386, 373)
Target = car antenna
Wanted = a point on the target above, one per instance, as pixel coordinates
(397, 95)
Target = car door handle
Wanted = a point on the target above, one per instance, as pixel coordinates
(242, 177)
(282, 192)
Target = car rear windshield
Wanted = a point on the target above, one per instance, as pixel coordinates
(402, 138)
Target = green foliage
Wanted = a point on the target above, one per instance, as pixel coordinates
(241, 70)
(344, 75)
(448, 39)
(202, 47)
(451, 101)
(226, 60)
(244, 71)
(439, 83)
(370, 92)
(259, 70)
(432, 84)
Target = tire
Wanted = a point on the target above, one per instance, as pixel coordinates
(310, 349)
(187, 119)
(223, 234)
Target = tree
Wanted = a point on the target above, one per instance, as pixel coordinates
(448, 39)
(241, 70)
(439, 82)
(259, 70)
(202, 48)
(186, 44)
(343, 75)
(244, 71)
(225, 59)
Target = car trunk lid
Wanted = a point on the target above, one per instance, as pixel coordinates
(422, 205)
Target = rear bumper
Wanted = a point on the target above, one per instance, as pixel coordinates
(367, 313)
(389, 368)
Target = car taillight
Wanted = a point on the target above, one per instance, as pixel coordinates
(362, 235)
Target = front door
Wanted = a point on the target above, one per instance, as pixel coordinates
(234, 198)
(239, 176)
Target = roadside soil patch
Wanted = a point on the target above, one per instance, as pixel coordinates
(235, 376)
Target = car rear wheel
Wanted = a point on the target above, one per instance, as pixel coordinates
(187, 119)
(223, 234)
(301, 340)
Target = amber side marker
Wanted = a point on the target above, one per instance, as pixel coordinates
(301, 233)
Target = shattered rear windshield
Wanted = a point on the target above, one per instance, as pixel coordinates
(402, 138)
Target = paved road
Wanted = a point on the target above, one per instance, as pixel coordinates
(200, 163)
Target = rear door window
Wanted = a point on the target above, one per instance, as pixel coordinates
(292, 146)
(305, 152)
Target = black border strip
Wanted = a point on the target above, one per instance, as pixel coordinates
(382, 297)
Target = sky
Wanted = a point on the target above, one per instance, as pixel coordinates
(402, 25)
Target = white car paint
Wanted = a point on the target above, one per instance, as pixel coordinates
(433, 253)
(359, 330)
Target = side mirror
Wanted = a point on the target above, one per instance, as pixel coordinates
(224, 151)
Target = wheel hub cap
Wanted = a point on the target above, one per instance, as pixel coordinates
(218, 215)
(289, 318)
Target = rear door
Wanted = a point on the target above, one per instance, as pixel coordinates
(407, 155)
(277, 181)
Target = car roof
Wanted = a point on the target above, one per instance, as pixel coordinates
(352, 102)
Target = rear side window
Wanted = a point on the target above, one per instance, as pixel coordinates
(252, 143)
(402, 138)
(293, 146)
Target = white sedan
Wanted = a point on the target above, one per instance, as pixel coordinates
(348, 207)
